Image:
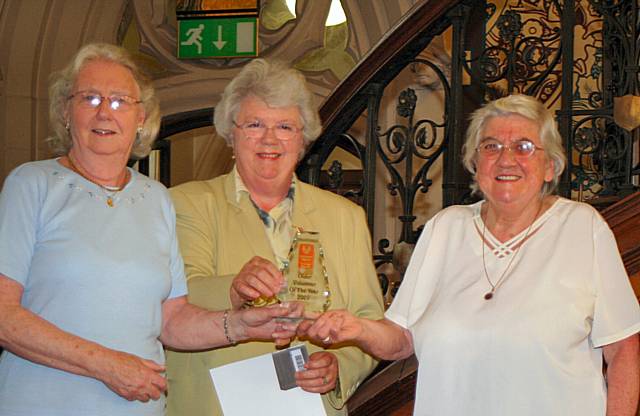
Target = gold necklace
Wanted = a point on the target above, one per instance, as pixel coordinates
(503, 276)
(109, 191)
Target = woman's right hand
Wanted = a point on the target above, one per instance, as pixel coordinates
(263, 323)
(382, 338)
(331, 327)
(132, 377)
(129, 376)
(258, 277)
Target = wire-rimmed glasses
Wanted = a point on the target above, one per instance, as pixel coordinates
(91, 100)
(522, 149)
(257, 129)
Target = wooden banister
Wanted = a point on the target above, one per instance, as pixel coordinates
(385, 60)
(624, 219)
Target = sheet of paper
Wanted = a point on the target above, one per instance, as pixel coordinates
(250, 387)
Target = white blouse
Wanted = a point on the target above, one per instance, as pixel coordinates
(533, 349)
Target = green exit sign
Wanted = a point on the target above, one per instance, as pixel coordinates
(218, 38)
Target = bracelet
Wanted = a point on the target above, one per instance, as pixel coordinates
(225, 325)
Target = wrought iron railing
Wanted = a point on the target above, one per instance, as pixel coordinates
(577, 56)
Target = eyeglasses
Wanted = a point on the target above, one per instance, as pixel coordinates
(522, 149)
(91, 101)
(257, 130)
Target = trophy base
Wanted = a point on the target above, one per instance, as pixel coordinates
(263, 301)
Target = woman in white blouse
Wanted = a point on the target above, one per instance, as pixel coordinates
(511, 304)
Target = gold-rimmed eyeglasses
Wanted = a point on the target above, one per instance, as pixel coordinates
(91, 101)
(257, 130)
(522, 149)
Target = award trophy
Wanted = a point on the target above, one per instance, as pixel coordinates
(304, 273)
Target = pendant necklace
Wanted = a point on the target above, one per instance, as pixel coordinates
(109, 191)
(503, 276)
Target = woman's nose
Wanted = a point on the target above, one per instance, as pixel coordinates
(507, 156)
(104, 110)
(269, 136)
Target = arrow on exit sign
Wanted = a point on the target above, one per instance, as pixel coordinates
(218, 38)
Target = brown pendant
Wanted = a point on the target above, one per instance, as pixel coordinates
(110, 201)
(488, 295)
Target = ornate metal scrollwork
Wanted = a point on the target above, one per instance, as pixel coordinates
(516, 46)
(408, 151)
(522, 50)
(336, 172)
(522, 53)
(620, 39)
(601, 151)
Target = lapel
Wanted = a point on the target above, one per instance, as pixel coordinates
(249, 222)
(304, 207)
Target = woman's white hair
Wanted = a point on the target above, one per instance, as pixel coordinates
(62, 83)
(524, 106)
(275, 83)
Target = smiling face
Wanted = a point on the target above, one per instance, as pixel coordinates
(101, 131)
(266, 164)
(507, 179)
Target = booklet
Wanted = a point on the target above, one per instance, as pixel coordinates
(251, 387)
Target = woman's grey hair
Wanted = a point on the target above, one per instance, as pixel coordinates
(278, 85)
(524, 106)
(61, 85)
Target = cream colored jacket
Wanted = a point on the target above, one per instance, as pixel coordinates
(218, 236)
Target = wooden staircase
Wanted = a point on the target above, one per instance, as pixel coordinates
(624, 219)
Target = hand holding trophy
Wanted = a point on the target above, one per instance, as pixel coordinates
(256, 284)
(303, 278)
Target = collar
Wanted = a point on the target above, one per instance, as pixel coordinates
(241, 188)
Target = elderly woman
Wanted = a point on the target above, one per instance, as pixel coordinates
(511, 304)
(235, 232)
(91, 280)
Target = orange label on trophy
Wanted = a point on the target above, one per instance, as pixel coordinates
(306, 258)
(305, 275)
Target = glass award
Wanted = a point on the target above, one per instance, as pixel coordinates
(304, 273)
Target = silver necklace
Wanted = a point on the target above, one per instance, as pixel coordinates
(503, 276)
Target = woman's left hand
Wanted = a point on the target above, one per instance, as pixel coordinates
(258, 277)
(321, 374)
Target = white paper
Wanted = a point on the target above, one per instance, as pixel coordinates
(251, 387)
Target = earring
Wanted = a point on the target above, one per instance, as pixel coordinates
(67, 126)
(138, 140)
